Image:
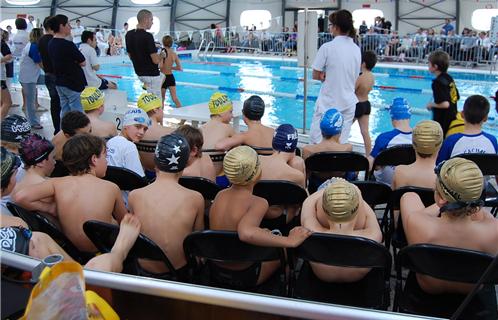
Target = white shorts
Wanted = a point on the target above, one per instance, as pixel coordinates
(316, 133)
(153, 84)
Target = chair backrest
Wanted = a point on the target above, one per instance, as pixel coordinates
(215, 155)
(394, 156)
(485, 161)
(204, 186)
(103, 235)
(280, 192)
(337, 161)
(445, 263)
(146, 150)
(124, 178)
(374, 192)
(425, 194)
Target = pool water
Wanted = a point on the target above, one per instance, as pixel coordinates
(280, 85)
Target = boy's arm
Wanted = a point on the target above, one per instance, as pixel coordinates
(178, 65)
(308, 213)
(31, 197)
(199, 217)
(442, 105)
(372, 228)
(229, 143)
(119, 207)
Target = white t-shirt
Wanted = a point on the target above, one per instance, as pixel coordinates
(123, 153)
(20, 40)
(340, 59)
(29, 70)
(91, 60)
(76, 32)
(3, 74)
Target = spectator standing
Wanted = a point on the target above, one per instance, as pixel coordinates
(31, 23)
(363, 27)
(76, 32)
(67, 61)
(21, 38)
(9, 64)
(447, 27)
(143, 53)
(337, 65)
(87, 48)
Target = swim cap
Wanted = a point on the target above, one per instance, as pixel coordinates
(34, 149)
(254, 108)
(136, 116)
(219, 103)
(427, 137)
(149, 101)
(331, 123)
(91, 98)
(399, 109)
(285, 138)
(459, 180)
(340, 200)
(172, 153)
(9, 163)
(241, 165)
(15, 128)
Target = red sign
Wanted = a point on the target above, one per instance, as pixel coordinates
(365, 5)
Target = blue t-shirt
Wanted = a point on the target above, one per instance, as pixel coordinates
(66, 59)
(460, 143)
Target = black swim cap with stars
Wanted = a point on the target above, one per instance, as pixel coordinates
(172, 153)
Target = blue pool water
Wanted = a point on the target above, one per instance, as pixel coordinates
(275, 80)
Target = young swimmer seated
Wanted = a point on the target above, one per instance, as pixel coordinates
(13, 129)
(338, 208)
(257, 134)
(198, 164)
(92, 100)
(72, 123)
(457, 219)
(237, 209)
(168, 212)
(80, 197)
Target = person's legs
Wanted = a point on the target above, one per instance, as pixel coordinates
(363, 122)
(55, 104)
(29, 91)
(42, 245)
(64, 101)
(174, 97)
(153, 84)
(75, 100)
(6, 101)
(70, 98)
(348, 116)
(315, 132)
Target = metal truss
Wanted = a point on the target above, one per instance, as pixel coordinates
(190, 12)
(420, 13)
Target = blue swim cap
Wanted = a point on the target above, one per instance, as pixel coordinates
(285, 138)
(331, 123)
(399, 109)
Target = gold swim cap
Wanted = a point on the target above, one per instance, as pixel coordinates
(340, 200)
(427, 137)
(149, 101)
(91, 98)
(459, 179)
(241, 165)
(219, 103)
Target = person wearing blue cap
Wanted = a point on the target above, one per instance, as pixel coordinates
(400, 134)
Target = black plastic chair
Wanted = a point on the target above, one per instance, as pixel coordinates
(331, 162)
(37, 222)
(103, 235)
(204, 186)
(148, 146)
(395, 236)
(225, 246)
(215, 154)
(373, 291)
(488, 163)
(394, 156)
(376, 193)
(125, 179)
(279, 193)
(450, 264)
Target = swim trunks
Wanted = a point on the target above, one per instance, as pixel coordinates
(182, 273)
(15, 239)
(3, 84)
(169, 81)
(104, 84)
(235, 278)
(362, 108)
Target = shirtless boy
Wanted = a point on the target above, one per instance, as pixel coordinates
(457, 219)
(13, 129)
(158, 205)
(170, 62)
(72, 123)
(257, 135)
(80, 197)
(199, 164)
(92, 100)
(237, 209)
(364, 85)
(339, 208)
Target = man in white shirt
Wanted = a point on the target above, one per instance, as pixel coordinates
(76, 32)
(337, 64)
(31, 23)
(21, 38)
(87, 48)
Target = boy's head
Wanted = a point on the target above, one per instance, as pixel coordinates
(475, 109)
(427, 138)
(92, 99)
(331, 123)
(21, 24)
(60, 24)
(254, 108)
(84, 152)
(285, 138)
(340, 201)
(167, 41)
(13, 129)
(89, 38)
(35, 150)
(74, 122)
(400, 110)
(369, 58)
(241, 166)
(9, 164)
(459, 186)
(220, 105)
(439, 61)
(172, 153)
(135, 124)
(194, 138)
(151, 104)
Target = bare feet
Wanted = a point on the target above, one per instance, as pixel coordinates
(128, 233)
